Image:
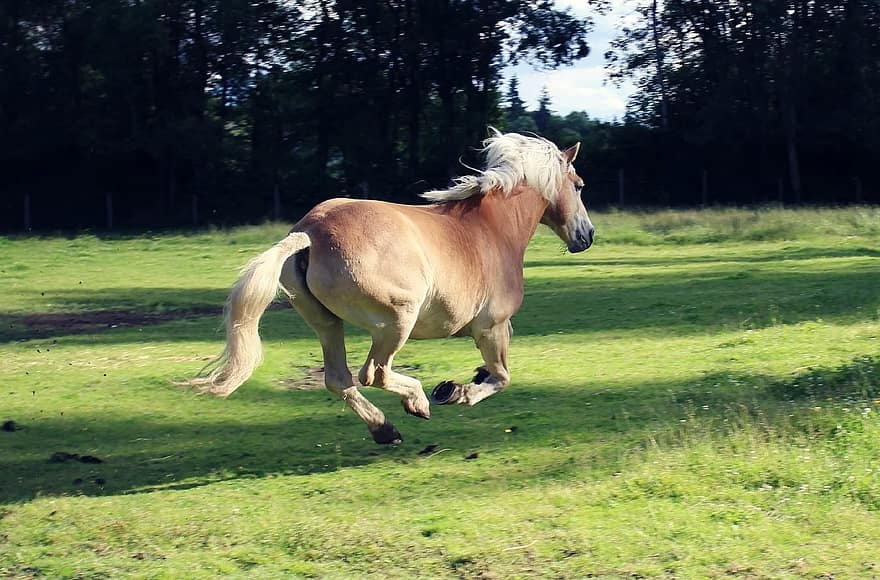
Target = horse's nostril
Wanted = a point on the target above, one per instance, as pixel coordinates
(587, 239)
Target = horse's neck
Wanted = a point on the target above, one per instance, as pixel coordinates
(514, 218)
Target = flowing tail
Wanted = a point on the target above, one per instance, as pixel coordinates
(251, 295)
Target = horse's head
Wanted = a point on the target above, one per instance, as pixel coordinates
(566, 214)
(513, 159)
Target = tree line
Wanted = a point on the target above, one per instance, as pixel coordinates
(168, 112)
(773, 100)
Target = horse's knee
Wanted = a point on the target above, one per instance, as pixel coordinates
(375, 375)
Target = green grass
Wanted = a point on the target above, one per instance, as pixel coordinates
(696, 396)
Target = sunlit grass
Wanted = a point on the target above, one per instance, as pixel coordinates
(696, 396)
(738, 224)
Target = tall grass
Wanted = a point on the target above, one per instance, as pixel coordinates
(714, 225)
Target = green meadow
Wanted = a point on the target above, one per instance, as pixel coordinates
(696, 396)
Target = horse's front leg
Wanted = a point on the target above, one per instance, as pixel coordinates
(491, 378)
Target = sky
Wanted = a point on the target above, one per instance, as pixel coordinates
(583, 86)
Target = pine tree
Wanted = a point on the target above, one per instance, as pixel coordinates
(516, 107)
(516, 118)
(543, 114)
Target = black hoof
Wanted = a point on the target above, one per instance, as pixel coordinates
(387, 434)
(482, 375)
(446, 393)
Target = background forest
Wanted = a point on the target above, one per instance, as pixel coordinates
(231, 111)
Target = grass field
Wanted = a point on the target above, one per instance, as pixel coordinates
(696, 396)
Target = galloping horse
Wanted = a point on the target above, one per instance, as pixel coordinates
(451, 268)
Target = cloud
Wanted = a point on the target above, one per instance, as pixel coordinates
(575, 89)
(583, 86)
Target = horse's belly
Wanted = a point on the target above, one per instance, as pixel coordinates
(439, 321)
(432, 329)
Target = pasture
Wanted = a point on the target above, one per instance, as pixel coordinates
(697, 395)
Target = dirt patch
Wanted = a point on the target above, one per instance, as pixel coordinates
(312, 379)
(54, 323)
(27, 326)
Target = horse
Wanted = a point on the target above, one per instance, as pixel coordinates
(453, 267)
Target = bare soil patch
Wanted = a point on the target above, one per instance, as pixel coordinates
(27, 326)
(56, 323)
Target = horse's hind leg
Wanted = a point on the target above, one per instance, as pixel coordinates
(377, 372)
(493, 343)
(338, 379)
(337, 376)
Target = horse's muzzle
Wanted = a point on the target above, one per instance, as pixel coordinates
(583, 239)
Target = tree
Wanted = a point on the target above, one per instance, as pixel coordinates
(543, 114)
(758, 91)
(516, 118)
(515, 106)
(658, 55)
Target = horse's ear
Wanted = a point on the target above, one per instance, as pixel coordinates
(571, 153)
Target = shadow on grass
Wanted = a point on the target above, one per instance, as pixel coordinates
(112, 315)
(714, 301)
(252, 436)
(144, 454)
(723, 298)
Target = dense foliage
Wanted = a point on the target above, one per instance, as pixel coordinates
(159, 100)
(236, 110)
(765, 96)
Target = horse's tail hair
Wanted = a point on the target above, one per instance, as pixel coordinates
(249, 298)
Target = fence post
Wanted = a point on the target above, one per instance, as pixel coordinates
(194, 209)
(705, 187)
(27, 212)
(276, 204)
(621, 197)
(108, 206)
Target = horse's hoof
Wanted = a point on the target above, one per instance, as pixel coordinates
(447, 393)
(416, 412)
(482, 375)
(387, 434)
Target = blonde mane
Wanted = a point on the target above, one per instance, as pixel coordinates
(511, 158)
